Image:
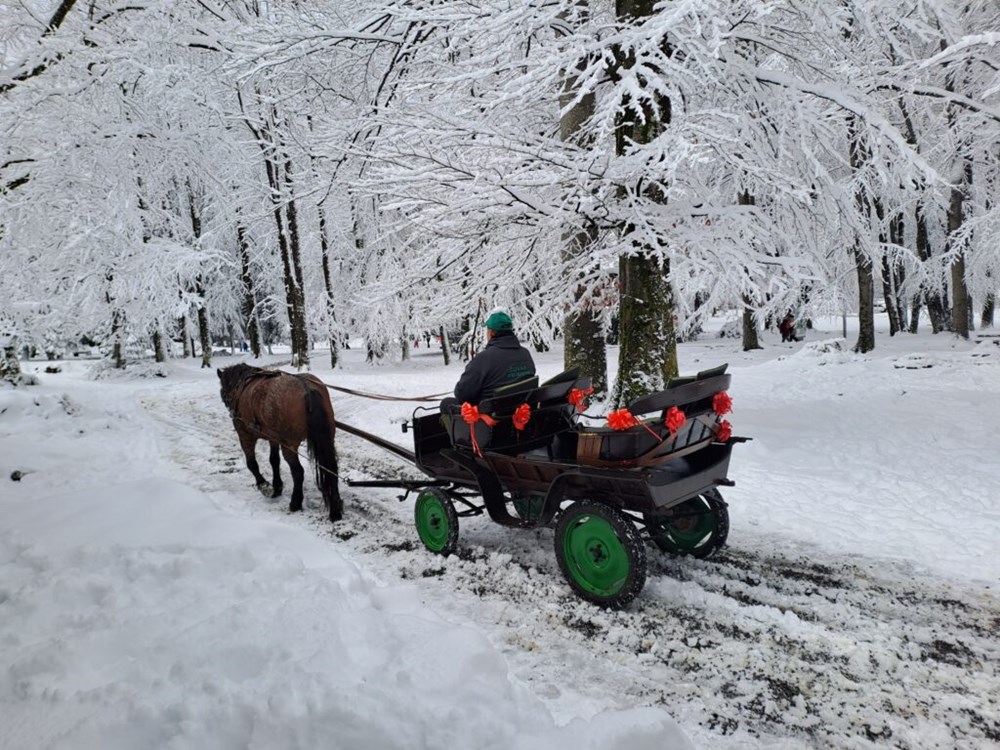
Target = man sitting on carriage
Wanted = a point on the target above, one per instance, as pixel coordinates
(503, 361)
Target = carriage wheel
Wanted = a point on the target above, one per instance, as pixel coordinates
(701, 528)
(600, 553)
(436, 521)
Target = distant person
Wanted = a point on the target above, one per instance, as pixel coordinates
(503, 361)
(787, 328)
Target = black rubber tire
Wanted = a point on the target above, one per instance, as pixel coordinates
(698, 536)
(436, 521)
(600, 553)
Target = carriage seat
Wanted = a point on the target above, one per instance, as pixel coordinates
(550, 414)
(650, 443)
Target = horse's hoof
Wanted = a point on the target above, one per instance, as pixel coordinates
(264, 489)
(276, 492)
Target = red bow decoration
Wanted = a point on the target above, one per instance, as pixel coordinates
(622, 420)
(675, 419)
(471, 415)
(722, 403)
(724, 432)
(577, 395)
(521, 416)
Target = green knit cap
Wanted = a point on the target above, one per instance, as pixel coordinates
(499, 322)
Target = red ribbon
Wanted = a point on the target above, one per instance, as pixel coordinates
(724, 431)
(675, 419)
(722, 403)
(521, 416)
(623, 419)
(577, 395)
(471, 415)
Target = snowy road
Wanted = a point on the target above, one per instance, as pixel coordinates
(769, 644)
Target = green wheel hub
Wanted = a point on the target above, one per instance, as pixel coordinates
(600, 553)
(436, 521)
(595, 556)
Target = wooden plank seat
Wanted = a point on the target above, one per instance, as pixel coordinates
(651, 443)
(550, 413)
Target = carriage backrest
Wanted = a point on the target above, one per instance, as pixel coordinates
(652, 442)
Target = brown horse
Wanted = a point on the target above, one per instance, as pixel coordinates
(284, 409)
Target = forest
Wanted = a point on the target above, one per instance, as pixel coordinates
(180, 174)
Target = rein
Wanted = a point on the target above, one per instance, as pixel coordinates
(366, 394)
(383, 397)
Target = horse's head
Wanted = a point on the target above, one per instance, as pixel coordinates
(230, 380)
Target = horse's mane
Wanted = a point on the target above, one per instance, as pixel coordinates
(235, 377)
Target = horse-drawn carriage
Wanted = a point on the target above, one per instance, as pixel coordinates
(525, 458)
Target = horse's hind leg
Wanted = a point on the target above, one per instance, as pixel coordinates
(298, 474)
(277, 484)
(248, 444)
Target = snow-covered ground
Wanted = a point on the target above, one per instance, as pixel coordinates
(150, 597)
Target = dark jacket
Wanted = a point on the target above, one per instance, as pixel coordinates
(503, 361)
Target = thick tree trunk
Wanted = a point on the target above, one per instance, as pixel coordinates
(866, 302)
(648, 353)
(750, 339)
(583, 332)
(647, 356)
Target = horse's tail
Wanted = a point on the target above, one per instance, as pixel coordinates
(319, 437)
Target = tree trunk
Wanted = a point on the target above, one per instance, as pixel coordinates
(750, 339)
(249, 296)
(937, 307)
(859, 154)
(960, 306)
(203, 333)
(331, 319)
(889, 295)
(648, 353)
(117, 330)
(866, 302)
(158, 352)
(647, 357)
(10, 367)
(444, 346)
(300, 331)
(989, 306)
(279, 183)
(185, 339)
(583, 332)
